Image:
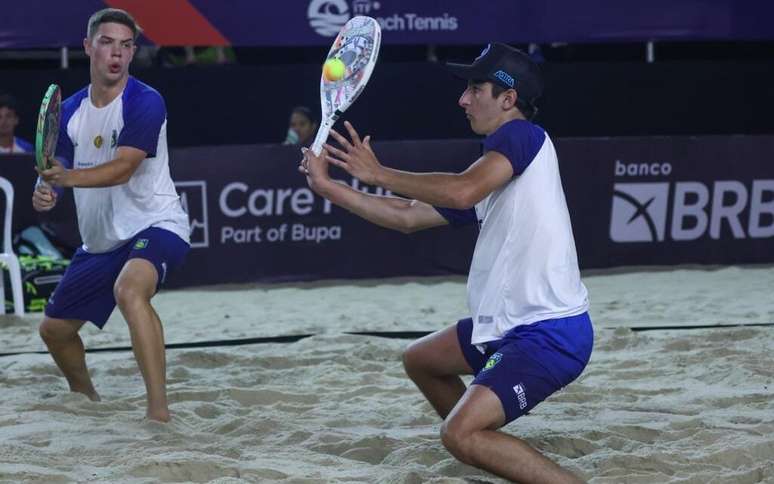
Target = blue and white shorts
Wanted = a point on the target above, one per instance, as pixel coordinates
(86, 290)
(530, 362)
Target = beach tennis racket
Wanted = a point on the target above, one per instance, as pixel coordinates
(48, 127)
(356, 47)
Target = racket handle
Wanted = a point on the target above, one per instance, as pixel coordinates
(322, 135)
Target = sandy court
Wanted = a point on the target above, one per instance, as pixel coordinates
(687, 406)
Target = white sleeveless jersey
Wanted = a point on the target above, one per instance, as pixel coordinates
(524, 267)
(90, 136)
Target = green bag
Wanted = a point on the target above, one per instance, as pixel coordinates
(40, 276)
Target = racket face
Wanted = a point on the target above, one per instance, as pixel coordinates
(48, 126)
(357, 46)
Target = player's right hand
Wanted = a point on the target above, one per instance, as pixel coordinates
(43, 198)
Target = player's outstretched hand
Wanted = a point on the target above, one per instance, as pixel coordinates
(56, 175)
(43, 198)
(356, 157)
(315, 168)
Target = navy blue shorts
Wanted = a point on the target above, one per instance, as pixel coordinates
(86, 290)
(531, 361)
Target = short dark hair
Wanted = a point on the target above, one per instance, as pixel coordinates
(112, 15)
(528, 109)
(306, 112)
(8, 101)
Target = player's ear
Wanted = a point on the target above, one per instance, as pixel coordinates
(509, 99)
(87, 46)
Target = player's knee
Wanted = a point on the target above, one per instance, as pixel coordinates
(54, 330)
(126, 294)
(457, 441)
(412, 359)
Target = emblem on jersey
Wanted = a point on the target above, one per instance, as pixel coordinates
(492, 361)
(141, 244)
(114, 139)
(98, 141)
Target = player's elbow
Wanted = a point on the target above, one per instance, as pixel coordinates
(409, 228)
(408, 222)
(463, 199)
(463, 194)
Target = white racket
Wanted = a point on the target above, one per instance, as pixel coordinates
(357, 46)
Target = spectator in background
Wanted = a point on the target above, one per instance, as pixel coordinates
(302, 128)
(9, 119)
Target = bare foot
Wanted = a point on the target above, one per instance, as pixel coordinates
(158, 415)
(91, 393)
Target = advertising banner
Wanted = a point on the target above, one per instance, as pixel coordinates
(633, 202)
(43, 23)
(254, 218)
(671, 200)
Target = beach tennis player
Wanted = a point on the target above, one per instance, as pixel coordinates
(112, 150)
(529, 332)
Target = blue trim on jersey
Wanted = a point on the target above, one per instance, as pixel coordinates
(144, 113)
(65, 150)
(458, 217)
(25, 145)
(519, 141)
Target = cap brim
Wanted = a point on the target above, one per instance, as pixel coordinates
(462, 71)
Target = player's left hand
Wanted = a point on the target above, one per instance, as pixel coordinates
(357, 157)
(57, 175)
(315, 168)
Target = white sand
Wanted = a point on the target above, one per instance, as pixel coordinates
(652, 407)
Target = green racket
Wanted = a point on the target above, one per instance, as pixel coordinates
(48, 127)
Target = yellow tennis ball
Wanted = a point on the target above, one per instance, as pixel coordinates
(334, 69)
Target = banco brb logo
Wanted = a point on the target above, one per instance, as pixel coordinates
(639, 212)
(327, 17)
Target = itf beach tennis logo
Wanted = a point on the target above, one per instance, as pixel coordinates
(193, 197)
(327, 17)
(639, 212)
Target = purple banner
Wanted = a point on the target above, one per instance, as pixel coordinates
(44, 23)
(633, 202)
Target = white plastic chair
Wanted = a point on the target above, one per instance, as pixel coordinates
(8, 258)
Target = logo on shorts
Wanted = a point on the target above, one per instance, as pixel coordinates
(639, 212)
(521, 395)
(493, 360)
(141, 244)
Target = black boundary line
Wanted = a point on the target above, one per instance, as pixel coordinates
(698, 326)
(196, 344)
(378, 334)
